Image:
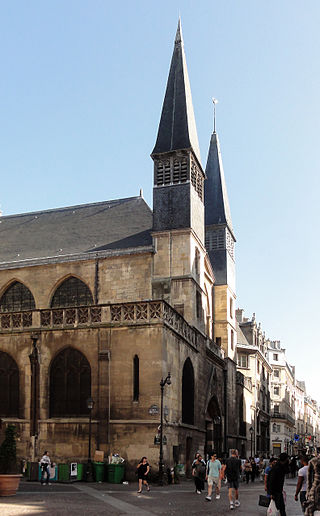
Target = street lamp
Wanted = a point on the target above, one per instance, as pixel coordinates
(162, 384)
(89, 475)
(251, 430)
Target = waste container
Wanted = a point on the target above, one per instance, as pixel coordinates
(63, 472)
(80, 471)
(115, 473)
(32, 471)
(98, 471)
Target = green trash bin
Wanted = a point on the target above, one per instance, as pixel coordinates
(80, 471)
(63, 472)
(98, 471)
(115, 473)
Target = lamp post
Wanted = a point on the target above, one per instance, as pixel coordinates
(251, 430)
(163, 382)
(89, 472)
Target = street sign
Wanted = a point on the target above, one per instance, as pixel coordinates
(157, 439)
(153, 410)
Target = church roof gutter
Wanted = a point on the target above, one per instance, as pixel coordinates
(109, 253)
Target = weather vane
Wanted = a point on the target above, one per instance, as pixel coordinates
(215, 101)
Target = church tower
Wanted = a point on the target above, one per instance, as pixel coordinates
(178, 200)
(220, 242)
(178, 193)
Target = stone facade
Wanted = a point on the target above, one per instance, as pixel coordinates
(154, 307)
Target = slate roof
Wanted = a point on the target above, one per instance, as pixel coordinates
(89, 228)
(217, 209)
(177, 128)
(241, 339)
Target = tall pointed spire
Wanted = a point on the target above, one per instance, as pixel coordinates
(217, 209)
(177, 128)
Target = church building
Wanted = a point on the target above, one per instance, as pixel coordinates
(103, 300)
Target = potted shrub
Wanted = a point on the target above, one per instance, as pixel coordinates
(9, 471)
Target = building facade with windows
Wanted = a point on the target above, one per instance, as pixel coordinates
(253, 363)
(283, 420)
(103, 300)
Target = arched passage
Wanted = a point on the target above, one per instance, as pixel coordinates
(70, 384)
(213, 427)
(188, 393)
(9, 386)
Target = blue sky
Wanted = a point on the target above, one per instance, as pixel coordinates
(81, 90)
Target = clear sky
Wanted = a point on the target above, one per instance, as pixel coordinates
(81, 90)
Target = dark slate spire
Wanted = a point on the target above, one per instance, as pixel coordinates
(177, 129)
(217, 209)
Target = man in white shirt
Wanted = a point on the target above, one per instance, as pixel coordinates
(44, 464)
(302, 481)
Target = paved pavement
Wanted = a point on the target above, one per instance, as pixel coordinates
(84, 499)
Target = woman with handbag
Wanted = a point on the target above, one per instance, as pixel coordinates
(143, 469)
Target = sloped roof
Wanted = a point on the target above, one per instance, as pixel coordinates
(241, 339)
(87, 228)
(177, 128)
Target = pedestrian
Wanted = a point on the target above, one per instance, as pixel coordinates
(253, 468)
(276, 479)
(213, 476)
(272, 462)
(233, 472)
(313, 486)
(143, 469)
(199, 473)
(247, 470)
(302, 481)
(293, 467)
(45, 465)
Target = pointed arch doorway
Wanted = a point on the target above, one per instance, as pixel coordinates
(213, 428)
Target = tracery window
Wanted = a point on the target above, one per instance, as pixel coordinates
(17, 298)
(72, 292)
(188, 393)
(9, 386)
(70, 384)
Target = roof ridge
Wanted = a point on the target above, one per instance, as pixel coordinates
(65, 208)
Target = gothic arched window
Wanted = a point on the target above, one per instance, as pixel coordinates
(70, 384)
(136, 378)
(9, 386)
(72, 292)
(16, 298)
(188, 393)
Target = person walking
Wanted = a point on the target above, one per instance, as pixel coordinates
(276, 479)
(293, 467)
(272, 462)
(213, 476)
(247, 470)
(45, 465)
(143, 469)
(302, 481)
(313, 487)
(199, 473)
(253, 468)
(233, 472)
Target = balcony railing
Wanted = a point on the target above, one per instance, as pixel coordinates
(283, 415)
(124, 314)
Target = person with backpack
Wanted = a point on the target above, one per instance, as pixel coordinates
(233, 472)
(213, 476)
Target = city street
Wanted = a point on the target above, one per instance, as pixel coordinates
(95, 499)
